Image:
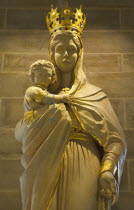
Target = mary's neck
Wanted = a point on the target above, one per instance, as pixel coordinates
(66, 79)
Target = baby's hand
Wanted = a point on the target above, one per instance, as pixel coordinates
(67, 98)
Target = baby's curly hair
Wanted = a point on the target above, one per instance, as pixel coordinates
(38, 65)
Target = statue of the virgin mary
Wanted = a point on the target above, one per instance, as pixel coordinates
(76, 161)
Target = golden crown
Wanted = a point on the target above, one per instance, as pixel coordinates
(66, 20)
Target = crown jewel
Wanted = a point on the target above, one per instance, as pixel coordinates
(66, 20)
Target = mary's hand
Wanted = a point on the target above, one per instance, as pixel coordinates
(108, 186)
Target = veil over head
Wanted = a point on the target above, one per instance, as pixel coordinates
(79, 76)
(92, 106)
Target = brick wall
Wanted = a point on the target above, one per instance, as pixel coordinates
(108, 62)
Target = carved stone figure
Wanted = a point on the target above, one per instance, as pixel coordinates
(76, 160)
(36, 97)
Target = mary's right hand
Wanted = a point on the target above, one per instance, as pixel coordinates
(108, 186)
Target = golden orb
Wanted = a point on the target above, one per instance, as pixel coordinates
(67, 12)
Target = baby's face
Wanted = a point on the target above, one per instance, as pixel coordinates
(43, 76)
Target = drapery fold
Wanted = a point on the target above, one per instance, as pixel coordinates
(44, 144)
(43, 148)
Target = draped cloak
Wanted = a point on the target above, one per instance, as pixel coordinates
(44, 141)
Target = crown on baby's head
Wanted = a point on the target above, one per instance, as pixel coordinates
(66, 20)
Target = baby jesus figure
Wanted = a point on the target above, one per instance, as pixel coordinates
(44, 132)
(41, 73)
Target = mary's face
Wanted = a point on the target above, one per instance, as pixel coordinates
(66, 54)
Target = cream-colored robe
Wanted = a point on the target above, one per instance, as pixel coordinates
(47, 153)
(43, 146)
(52, 161)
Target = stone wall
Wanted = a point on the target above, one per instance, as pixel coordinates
(108, 62)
